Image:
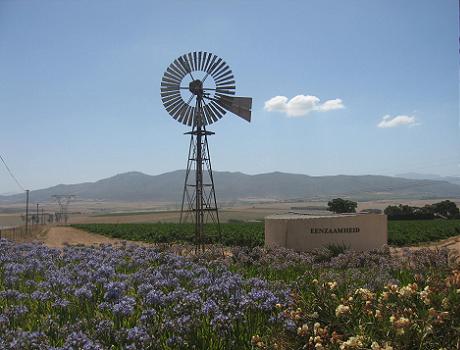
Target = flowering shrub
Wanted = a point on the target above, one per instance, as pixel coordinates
(142, 298)
(127, 298)
(406, 306)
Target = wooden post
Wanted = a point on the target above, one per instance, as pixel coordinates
(27, 212)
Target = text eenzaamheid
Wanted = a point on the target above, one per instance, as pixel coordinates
(335, 230)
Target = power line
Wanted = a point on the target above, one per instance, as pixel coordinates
(11, 174)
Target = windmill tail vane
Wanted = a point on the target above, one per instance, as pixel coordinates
(197, 90)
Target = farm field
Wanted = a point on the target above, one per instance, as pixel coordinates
(406, 232)
(248, 234)
(400, 233)
(89, 212)
(135, 297)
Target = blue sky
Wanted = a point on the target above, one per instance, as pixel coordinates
(79, 86)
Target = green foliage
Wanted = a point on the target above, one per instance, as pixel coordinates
(248, 234)
(405, 315)
(340, 205)
(337, 249)
(445, 209)
(405, 232)
(406, 212)
(251, 234)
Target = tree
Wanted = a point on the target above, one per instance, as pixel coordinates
(406, 212)
(447, 209)
(339, 205)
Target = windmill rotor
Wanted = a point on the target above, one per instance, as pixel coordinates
(206, 77)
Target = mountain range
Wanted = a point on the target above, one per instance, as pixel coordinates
(416, 176)
(234, 186)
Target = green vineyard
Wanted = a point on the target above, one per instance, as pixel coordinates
(406, 232)
(233, 234)
(251, 234)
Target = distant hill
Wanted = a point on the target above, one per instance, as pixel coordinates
(416, 176)
(231, 186)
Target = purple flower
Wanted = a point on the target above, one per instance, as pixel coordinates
(124, 307)
(83, 293)
(114, 291)
(155, 298)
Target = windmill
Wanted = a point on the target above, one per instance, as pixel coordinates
(197, 89)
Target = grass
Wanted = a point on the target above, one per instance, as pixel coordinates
(251, 234)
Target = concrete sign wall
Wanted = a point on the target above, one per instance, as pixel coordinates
(360, 232)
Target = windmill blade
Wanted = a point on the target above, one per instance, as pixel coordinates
(227, 71)
(190, 115)
(200, 60)
(167, 100)
(191, 62)
(210, 65)
(172, 77)
(183, 114)
(173, 73)
(167, 94)
(188, 58)
(180, 66)
(184, 64)
(241, 106)
(227, 87)
(195, 62)
(216, 64)
(226, 82)
(225, 91)
(225, 79)
(211, 113)
(219, 69)
(167, 84)
(173, 106)
(206, 59)
(218, 111)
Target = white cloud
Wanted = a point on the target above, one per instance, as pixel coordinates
(392, 122)
(301, 105)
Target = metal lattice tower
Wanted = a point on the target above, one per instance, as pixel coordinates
(63, 201)
(186, 80)
(199, 194)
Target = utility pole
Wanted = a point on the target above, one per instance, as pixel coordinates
(43, 218)
(27, 212)
(38, 218)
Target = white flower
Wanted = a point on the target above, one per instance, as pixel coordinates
(341, 310)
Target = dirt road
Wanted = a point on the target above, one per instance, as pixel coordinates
(58, 237)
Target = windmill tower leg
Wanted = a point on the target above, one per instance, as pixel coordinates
(211, 201)
(185, 193)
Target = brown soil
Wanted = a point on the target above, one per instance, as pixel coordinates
(59, 236)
